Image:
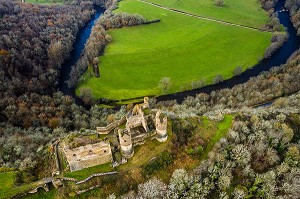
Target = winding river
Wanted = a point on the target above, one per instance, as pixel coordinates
(278, 58)
(81, 39)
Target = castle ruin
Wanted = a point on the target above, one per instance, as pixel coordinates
(133, 129)
(89, 155)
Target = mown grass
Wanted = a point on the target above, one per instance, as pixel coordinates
(183, 48)
(246, 12)
(82, 174)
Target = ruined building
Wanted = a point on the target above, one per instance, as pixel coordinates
(133, 129)
(89, 155)
(141, 124)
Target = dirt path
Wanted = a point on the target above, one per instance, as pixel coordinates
(204, 18)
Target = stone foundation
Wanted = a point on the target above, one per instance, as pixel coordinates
(88, 156)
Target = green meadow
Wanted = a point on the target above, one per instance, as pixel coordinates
(247, 12)
(181, 47)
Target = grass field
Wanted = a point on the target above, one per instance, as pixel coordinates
(246, 12)
(181, 47)
(7, 180)
(83, 174)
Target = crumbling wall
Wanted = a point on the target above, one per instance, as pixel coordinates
(89, 155)
(161, 127)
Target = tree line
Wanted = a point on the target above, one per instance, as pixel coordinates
(294, 8)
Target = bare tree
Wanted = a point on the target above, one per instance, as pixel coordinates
(164, 84)
(96, 67)
(219, 2)
(238, 71)
(218, 79)
(86, 95)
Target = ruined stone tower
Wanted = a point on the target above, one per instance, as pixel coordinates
(146, 103)
(126, 143)
(161, 127)
(136, 118)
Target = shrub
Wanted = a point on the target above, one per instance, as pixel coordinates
(238, 71)
(161, 162)
(218, 79)
(164, 84)
(219, 3)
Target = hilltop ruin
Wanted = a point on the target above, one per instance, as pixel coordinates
(133, 129)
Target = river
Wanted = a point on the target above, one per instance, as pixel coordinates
(81, 39)
(278, 58)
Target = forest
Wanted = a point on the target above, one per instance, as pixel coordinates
(35, 40)
(33, 46)
(248, 162)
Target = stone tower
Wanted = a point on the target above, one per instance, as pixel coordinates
(146, 102)
(126, 143)
(161, 127)
(136, 119)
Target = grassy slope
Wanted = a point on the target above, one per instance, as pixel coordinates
(221, 131)
(210, 131)
(246, 12)
(7, 187)
(83, 174)
(181, 47)
(6, 181)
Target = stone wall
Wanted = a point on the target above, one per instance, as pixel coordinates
(161, 127)
(107, 129)
(88, 156)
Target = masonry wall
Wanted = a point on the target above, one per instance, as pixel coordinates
(88, 155)
(74, 166)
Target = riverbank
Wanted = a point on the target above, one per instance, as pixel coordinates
(278, 58)
(78, 47)
(191, 52)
